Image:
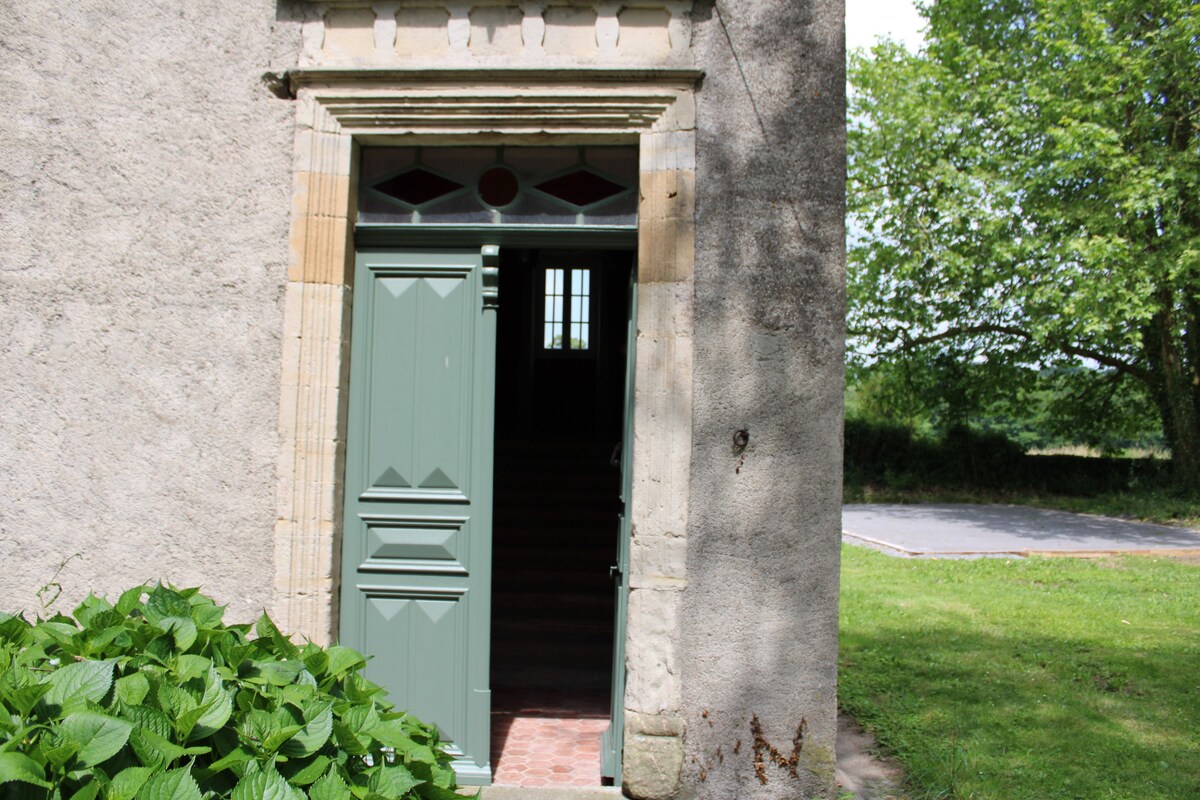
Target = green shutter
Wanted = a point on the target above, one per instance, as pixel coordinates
(416, 556)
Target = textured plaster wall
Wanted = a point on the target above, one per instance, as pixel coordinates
(145, 187)
(759, 616)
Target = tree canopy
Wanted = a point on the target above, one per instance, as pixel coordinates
(1025, 194)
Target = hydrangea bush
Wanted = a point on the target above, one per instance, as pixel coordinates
(155, 698)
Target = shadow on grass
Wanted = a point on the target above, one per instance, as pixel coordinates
(980, 710)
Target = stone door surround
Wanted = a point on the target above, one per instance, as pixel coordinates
(496, 33)
(340, 109)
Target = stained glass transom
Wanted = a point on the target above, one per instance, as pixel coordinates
(575, 186)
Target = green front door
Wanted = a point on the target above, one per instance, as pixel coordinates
(416, 556)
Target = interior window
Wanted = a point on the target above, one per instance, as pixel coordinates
(567, 317)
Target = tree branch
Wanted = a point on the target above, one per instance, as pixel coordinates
(1124, 367)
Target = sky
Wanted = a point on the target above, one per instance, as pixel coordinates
(867, 19)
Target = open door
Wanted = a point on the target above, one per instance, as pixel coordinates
(613, 740)
(416, 557)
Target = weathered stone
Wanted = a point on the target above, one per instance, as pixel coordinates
(653, 724)
(651, 767)
(759, 617)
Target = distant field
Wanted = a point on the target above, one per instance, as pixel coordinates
(1091, 452)
(1001, 679)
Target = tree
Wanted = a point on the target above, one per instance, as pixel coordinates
(1026, 193)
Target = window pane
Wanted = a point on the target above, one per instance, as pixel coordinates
(579, 336)
(552, 336)
(581, 285)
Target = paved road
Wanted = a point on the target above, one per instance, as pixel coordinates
(981, 530)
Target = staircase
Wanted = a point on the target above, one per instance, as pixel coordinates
(554, 538)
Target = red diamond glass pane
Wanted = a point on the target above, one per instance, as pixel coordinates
(417, 186)
(580, 188)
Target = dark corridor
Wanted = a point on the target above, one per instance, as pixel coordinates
(559, 389)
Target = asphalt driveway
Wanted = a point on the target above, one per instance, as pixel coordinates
(941, 531)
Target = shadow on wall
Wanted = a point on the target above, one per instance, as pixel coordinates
(759, 626)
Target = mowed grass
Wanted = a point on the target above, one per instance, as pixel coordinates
(1027, 679)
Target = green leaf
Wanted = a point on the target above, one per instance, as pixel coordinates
(14, 628)
(164, 603)
(89, 791)
(129, 600)
(330, 787)
(361, 718)
(275, 673)
(125, 784)
(217, 705)
(189, 666)
(316, 660)
(207, 615)
(89, 608)
(175, 702)
(343, 660)
(182, 630)
(266, 785)
(61, 633)
(267, 630)
(239, 755)
(277, 738)
(148, 718)
(394, 734)
(392, 780)
(20, 767)
(57, 749)
(99, 737)
(156, 751)
(314, 734)
(302, 774)
(177, 784)
(132, 689)
(83, 680)
(24, 698)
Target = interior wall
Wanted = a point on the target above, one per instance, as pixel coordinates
(146, 184)
(759, 639)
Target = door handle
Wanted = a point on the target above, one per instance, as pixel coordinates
(614, 572)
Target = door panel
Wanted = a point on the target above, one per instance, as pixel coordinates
(613, 739)
(416, 583)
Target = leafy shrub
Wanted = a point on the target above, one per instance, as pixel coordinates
(881, 454)
(160, 700)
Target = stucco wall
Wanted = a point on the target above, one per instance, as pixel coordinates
(145, 186)
(759, 617)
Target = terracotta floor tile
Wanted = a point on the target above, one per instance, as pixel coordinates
(547, 738)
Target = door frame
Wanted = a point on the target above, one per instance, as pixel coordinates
(339, 110)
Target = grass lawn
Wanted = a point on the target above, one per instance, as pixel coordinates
(1035, 679)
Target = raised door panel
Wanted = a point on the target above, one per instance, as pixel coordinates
(433, 684)
(419, 380)
(416, 554)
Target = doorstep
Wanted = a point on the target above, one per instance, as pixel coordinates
(547, 793)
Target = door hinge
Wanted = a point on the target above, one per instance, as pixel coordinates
(491, 275)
